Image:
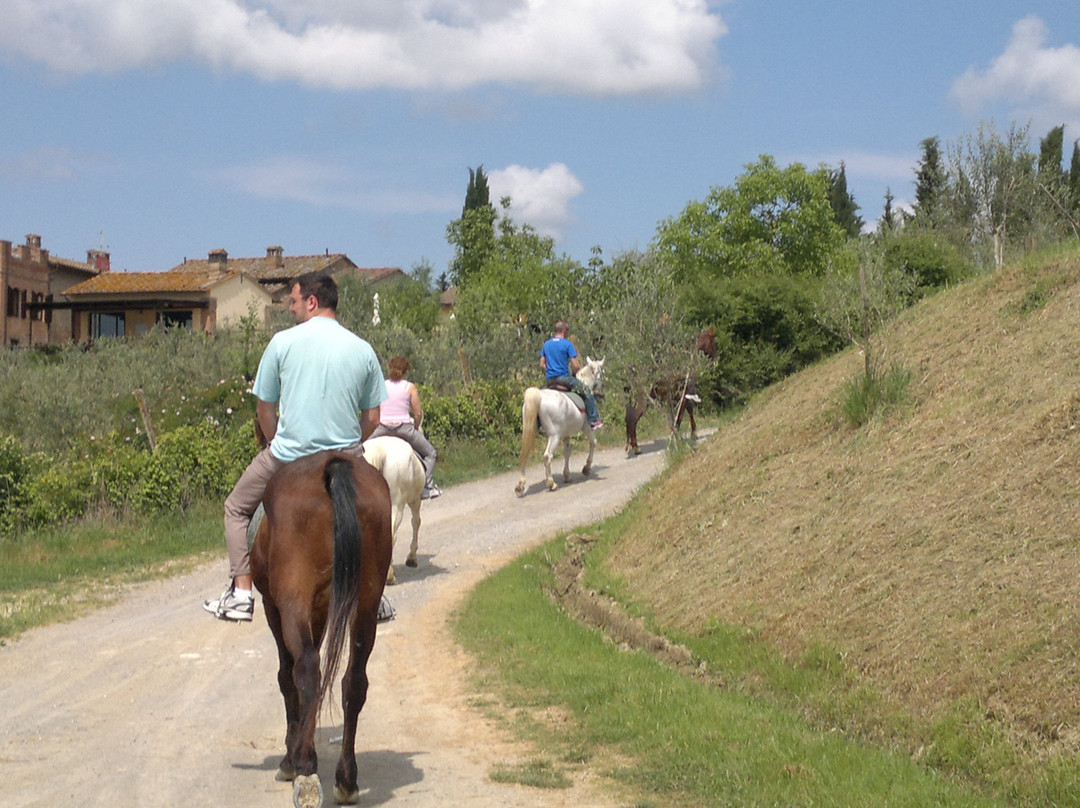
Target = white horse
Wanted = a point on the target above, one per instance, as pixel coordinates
(559, 417)
(398, 463)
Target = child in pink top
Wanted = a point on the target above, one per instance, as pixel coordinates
(402, 416)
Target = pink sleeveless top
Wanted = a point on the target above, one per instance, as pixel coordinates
(396, 409)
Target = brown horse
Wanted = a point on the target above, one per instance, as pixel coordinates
(320, 559)
(680, 393)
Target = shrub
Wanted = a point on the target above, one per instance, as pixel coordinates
(59, 492)
(14, 479)
(873, 393)
(483, 410)
(190, 462)
(931, 261)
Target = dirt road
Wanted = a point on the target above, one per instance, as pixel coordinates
(154, 703)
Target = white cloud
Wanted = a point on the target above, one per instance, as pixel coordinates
(49, 163)
(1043, 81)
(300, 179)
(540, 197)
(602, 47)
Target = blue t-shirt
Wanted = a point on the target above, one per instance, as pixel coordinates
(321, 375)
(557, 352)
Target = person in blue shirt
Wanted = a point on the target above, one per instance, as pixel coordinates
(319, 386)
(559, 361)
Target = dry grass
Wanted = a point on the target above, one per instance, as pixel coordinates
(937, 550)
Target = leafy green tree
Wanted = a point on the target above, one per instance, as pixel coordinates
(845, 211)
(519, 291)
(994, 186)
(862, 292)
(930, 182)
(772, 220)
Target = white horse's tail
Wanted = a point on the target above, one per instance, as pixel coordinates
(530, 413)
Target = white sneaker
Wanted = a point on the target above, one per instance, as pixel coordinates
(230, 607)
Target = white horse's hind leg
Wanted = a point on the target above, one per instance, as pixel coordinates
(549, 454)
(415, 506)
(592, 448)
(566, 460)
(399, 512)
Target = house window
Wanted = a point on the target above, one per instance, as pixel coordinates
(22, 305)
(175, 319)
(106, 324)
(12, 302)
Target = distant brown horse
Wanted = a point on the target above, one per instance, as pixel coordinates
(320, 560)
(670, 390)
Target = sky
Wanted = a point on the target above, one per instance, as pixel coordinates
(161, 131)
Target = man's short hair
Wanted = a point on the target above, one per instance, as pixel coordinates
(320, 284)
(561, 327)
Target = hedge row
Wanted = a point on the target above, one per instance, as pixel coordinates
(193, 462)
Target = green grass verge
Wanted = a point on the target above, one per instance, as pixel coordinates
(61, 572)
(670, 739)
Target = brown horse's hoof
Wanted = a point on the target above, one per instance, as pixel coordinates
(286, 772)
(346, 796)
(520, 490)
(391, 579)
(585, 472)
(307, 791)
(410, 561)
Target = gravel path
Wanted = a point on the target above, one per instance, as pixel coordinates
(152, 702)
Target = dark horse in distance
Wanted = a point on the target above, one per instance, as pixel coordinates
(668, 391)
(320, 559)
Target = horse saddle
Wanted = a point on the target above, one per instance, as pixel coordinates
(253, 525)
(576, 398)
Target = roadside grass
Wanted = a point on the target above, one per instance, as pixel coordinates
(62, 572)
(666, 738)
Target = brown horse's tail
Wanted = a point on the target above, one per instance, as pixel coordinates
(338, 479)
(530, 414)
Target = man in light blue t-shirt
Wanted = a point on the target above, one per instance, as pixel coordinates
(319, 386)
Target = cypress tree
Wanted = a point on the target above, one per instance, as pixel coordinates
(477, 194)
(1074, 175)
(1050, 154)
(929, 182)
(843, 204)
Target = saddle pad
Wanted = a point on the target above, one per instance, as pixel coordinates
(579, 402)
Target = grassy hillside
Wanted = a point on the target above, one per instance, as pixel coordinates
(934, 553)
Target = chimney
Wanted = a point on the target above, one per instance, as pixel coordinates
(219, 260)
(98, 259)
(32, 250)
(275, 257)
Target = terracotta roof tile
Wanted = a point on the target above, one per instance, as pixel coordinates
(262, 268)
(143, 282)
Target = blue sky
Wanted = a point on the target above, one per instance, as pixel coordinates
(164, 130)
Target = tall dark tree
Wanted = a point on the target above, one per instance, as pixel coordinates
(1050, 154)
(888, 222)
(477, 194)
(929, 182)
(1074, 175)
(473, 235)
(843, 203)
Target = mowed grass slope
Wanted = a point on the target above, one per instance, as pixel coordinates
(933, 553)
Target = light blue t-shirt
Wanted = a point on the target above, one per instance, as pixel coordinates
(321, 375)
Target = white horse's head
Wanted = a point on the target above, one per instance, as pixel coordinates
(592, 373)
